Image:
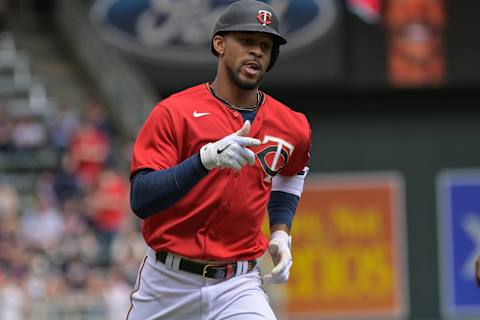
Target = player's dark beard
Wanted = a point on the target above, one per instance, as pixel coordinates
(244, 85)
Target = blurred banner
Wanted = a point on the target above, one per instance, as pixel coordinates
(349, 250)
(340, 43)
(415, 31)
(173, 37)
(367, 10)
(180, 30)
(458, 195)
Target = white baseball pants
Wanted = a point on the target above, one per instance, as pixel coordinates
(161, 293)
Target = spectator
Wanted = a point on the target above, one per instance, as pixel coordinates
(89, 150)
(13, 257)
(83, 246)
(74, 220)
(50, 243)
(76, 274)
(17, 263)
(45, 187)
(36, 285)
(127, 250)
(89, 247)
(97, 115)
(62, 126)
(42, 225)
(108, 207)
(29, 134)
(12, 299)
(116, 296)
(55, 285)
(9, 200)
(65, 183)
(96, 283)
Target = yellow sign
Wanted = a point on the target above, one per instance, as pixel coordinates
(347, 248)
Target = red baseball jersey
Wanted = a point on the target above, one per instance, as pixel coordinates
(221, 217)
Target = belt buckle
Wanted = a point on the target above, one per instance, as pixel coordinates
(204, 272)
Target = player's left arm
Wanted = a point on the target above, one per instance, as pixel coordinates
(287, 188)
(286, 192)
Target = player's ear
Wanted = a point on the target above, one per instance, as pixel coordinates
(219, 44)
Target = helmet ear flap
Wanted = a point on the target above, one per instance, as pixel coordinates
(273, 59)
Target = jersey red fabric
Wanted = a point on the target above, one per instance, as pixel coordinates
(221, 217)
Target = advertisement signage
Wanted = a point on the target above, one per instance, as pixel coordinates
(172, 37)
(181, 30)
(349, 255)
(459, 234)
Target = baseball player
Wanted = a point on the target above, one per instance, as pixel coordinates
(206, 164)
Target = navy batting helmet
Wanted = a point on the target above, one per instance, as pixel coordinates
(251, 16)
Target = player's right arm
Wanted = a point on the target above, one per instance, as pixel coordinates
(230, 152)
(154, 191)
(154, 187)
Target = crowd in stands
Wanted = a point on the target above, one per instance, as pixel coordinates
(70, 247)
(73, 241)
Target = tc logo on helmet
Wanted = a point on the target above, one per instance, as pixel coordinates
(265, 17)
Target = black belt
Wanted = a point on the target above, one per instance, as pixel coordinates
(207, 270)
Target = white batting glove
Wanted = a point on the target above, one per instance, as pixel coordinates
(231, 151)
(279, 248)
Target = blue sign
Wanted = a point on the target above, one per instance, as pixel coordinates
(181, 30)
(459, 205)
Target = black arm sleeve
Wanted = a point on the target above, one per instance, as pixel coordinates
(281, 208)
(154, 191)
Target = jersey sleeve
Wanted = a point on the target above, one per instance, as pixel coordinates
(156, 146)
(301, 153)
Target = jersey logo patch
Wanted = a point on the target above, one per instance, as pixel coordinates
(274, 156)
(200, 114)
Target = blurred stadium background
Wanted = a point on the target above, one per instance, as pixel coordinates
(389, 225)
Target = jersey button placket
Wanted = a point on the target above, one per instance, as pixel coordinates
(235, 114)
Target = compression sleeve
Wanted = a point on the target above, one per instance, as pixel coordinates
(281, 208)
(154, 191)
